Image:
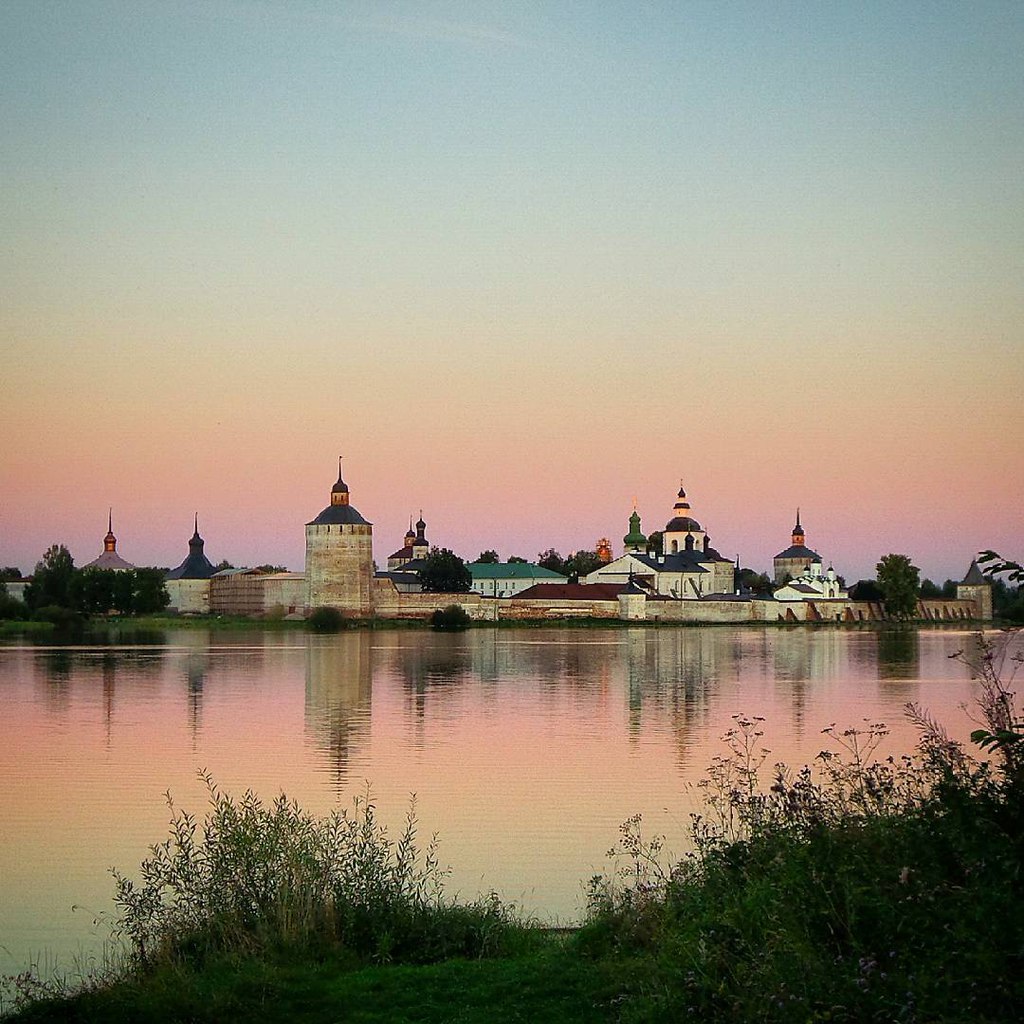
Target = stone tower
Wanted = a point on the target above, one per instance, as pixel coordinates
(339, 556)
(975, 587)
(797, 558)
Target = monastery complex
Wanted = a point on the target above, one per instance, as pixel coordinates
(682, 579)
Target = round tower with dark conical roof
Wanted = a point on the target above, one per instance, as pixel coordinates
(797, 558)
(339, 556)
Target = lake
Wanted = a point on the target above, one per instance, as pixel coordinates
(525, 748)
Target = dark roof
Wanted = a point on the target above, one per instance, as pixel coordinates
(681, 524)
(571, 592)
(974, 575)
(334, 514)
(402, 553)
(195, 567)
(800, 551)
(398, 576)
(108, 560)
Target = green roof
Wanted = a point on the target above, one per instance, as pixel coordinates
(512, 571)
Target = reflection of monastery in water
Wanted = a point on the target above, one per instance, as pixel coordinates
(339, 675)
(674, 576)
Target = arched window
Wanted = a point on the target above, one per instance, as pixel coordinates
(675, 547)
(689, 542)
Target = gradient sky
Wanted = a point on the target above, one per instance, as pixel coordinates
(519, 263)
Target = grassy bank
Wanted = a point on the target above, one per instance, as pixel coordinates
(852, 890)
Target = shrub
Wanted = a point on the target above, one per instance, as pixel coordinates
(326, 620)
(453, 617)
(272, 877)
(61, 617)
(854, 890)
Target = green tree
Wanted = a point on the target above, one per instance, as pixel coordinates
(51, 581)
(582, 562)
(755, 582)
(517, 560)
(488, 557)
(866, 590)
(444, 572)
(149, 594)
(656, 542)
(94, 591)
(930, 590)
(266, 568)
(552, 560)
(223, 564)
(899, 580)
(10, 573)
(11, 607)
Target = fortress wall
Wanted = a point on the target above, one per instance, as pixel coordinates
(539, 609)
(391, 603)
(188, 597)
(954, 608)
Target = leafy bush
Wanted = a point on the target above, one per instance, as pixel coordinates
(326, 620)
(58, 615)
(453, 617)
(11, 607)
(269, 877)
(854, 890)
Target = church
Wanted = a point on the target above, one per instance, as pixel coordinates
(688, 567)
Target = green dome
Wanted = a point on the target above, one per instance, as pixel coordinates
(634, 539)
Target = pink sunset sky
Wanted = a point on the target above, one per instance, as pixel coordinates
(520, 265)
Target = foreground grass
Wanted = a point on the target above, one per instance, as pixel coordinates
(551, 984)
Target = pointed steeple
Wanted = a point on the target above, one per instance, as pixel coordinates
(196, 565)
(798, 531)
(339, 492)
(110, 541)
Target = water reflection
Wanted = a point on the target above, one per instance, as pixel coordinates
(338, 697)
(899, 654)
(526, 747)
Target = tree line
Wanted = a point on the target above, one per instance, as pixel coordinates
(60, 591)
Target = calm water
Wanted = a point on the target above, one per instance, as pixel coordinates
(525, 748)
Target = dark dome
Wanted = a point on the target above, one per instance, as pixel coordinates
(682, 524)
(339, 514)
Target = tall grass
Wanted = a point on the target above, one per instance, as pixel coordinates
(253, 877)
(856, 889)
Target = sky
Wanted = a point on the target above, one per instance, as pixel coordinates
(521, 265)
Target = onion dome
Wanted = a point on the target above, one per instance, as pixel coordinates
(634, 539)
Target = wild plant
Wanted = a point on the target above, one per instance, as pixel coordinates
(855, 888)
(253, 876)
